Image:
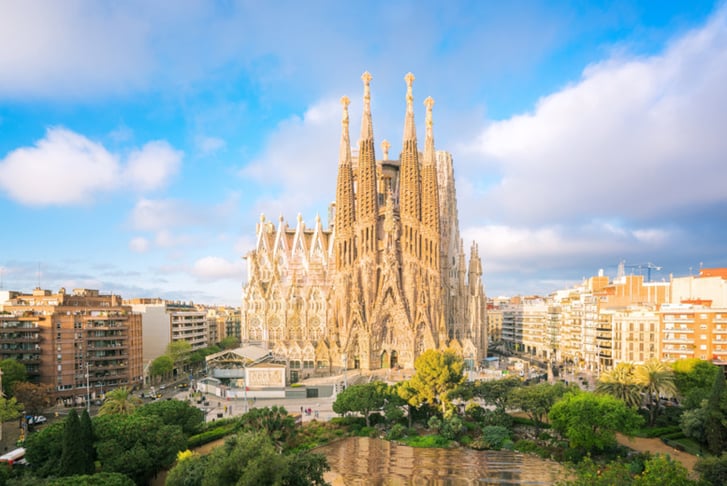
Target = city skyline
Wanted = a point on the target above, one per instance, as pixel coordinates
(140, 143)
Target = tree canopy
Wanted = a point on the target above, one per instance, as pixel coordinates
(249, 458)
(496, 392)
(537, 400)
(34, 398)
(119, 401)
(590, 421)
(13, 371)
(437, 374)
(363, 398)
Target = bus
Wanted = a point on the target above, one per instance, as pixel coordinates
(16, 456)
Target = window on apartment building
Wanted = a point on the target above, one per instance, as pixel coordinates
(58, 336)
(703, 336)
(702, 326)
(651, 327)
(58, 324)
(703, 347)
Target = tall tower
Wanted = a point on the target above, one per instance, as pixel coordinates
(344, 198)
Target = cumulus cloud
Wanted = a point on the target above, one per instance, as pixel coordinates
(139, 244)
(62, 168)
(152, 165)
(216, 268)
(622, 163)
(300, 157)
(207, 145)
(66, 168)
(634, 136)
(47, 48)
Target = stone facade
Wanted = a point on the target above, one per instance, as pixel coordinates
(386, 280)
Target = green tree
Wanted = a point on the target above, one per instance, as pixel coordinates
(590, 421)
(620, 382)
(693, 423)
(230, 342)
(363, 399)
(9, 409)
(88, 439)
(713, 469)
(656, 379)
(13, 372)
(100, 479)
(43, 449)
(661, 470)
(161, 367)
(175, 412)
(119, 401)
(180, 352)
(409, 395)
(496, 392)
(714, 417)
(249, 458)
(33, 397)
(136, 445)
(693, 378)
(590, 473)
(437, 374)
(73, 453)
(188, 471)
(274, 421)
(537, 400)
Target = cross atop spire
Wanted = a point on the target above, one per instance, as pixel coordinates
(367, 131)
(409, 128)
(409, 78)
(345, 102)
(385, 145)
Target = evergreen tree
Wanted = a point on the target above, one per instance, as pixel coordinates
(73, 453)
(714, 428)
(87, 440)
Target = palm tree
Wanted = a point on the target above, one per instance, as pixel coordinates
(621, 383)
(656, 379)
(119, 401)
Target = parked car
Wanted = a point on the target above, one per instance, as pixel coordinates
(37, 420)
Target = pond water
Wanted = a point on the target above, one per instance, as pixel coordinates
(365, 461)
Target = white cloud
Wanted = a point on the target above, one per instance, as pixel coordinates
(208, 145)
(139, 244)
(66, 168)
(301, 157)
(153, 165)
(47, 48)
(62, 168)
(216, 268)
(635, 137)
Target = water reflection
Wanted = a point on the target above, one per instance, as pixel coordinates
(364, 461)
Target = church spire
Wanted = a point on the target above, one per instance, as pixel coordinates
(410, 132)
(367, 206)
(409, 180)
(430, 195)
(367, 130)
(344, 216)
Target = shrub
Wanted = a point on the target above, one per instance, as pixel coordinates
(427, 441)
(396, 432)
(451, 427)
(210, 435)
(493, 436)
(474, 412)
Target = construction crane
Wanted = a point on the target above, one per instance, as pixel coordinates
(641, 266)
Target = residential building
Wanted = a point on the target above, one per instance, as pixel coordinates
(80, 345)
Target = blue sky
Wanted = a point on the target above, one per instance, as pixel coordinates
(140, 141)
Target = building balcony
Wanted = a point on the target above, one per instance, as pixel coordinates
(677, 341)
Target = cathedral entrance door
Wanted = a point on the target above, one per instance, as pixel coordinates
(394, 359)
(384, 359)
(356, 363)
(294, 376)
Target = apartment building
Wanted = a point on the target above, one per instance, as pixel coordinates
(166, 321)
(80, 345)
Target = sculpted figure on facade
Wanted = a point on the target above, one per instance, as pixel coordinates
(386, 280)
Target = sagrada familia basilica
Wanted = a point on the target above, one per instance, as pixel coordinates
(387, 278)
